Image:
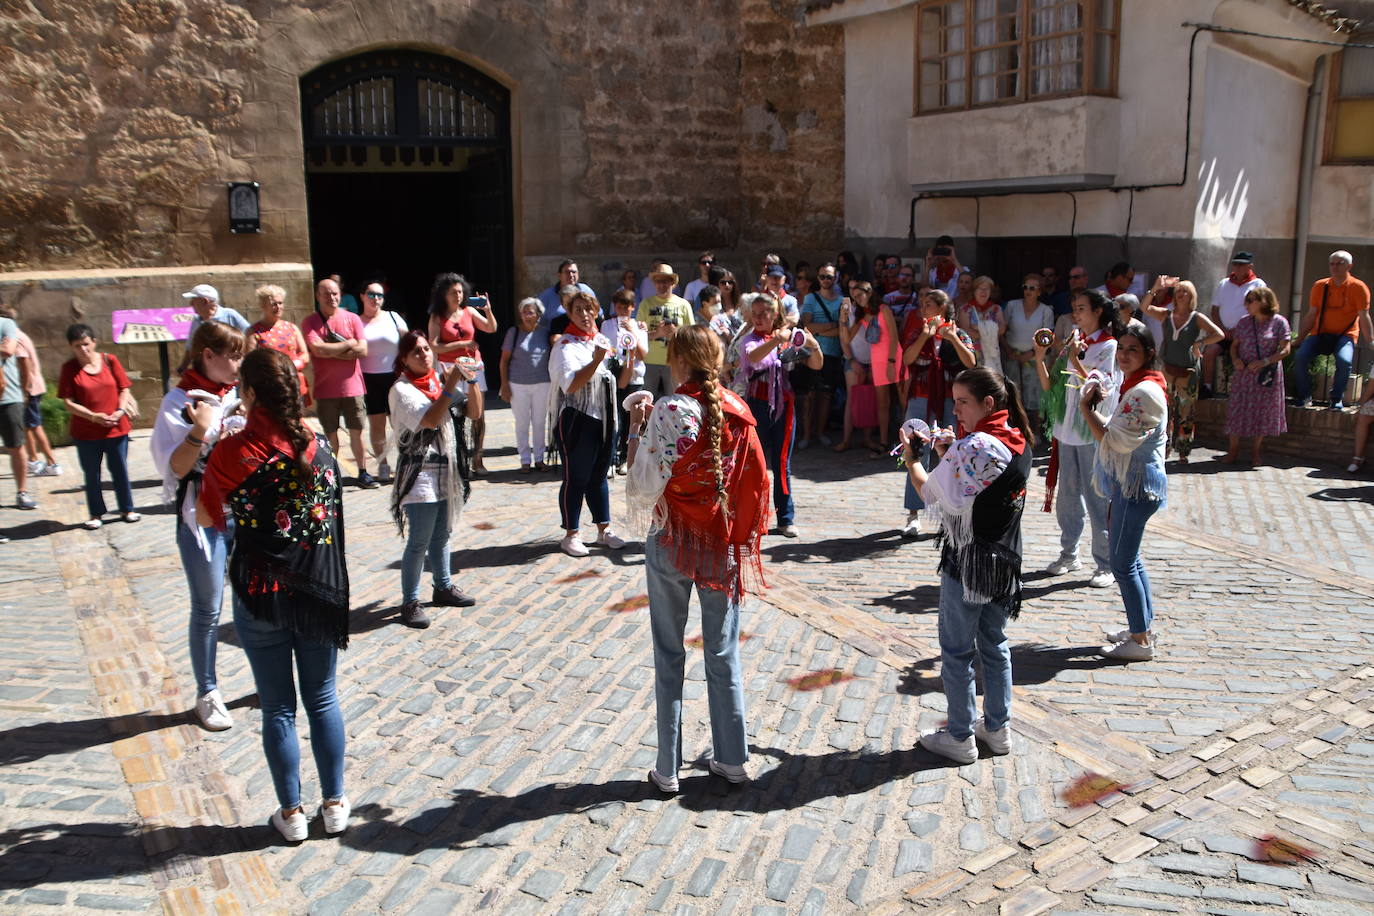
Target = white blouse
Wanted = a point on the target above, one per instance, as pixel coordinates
(570, 355)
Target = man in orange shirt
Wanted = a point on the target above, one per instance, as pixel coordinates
(1337, 314)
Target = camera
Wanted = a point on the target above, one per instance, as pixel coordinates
(943, 251)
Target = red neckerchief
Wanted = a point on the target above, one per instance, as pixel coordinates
(1096, 337)
(574, 331)
(1249, 275)
(236, 457)
(191, 380)
(1143, 375)
(427, 384)
(943, 273)
(1113, 290)
(995, 425)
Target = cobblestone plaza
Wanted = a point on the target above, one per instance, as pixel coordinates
(497, 760)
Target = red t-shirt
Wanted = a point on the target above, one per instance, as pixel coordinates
(335, 378)
(98, 392)
(455, 328)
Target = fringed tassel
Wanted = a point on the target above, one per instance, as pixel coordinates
(988, 572)
(286, 599)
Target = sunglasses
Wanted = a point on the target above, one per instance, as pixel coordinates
(376, 295)
(1026, 289)
(706, 263)
(727, 282)
(825, 276)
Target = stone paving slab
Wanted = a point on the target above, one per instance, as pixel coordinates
(497, 760)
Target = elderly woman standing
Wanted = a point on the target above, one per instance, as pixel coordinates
(525, 381)
(984, 321)
(280, 483)
(190, 421)
(1129, 472)
(1025, 316)
(100, 401)
(1186, 332)
(273, 331)
(430, 485)
(697, 470)
(1255, 406)
(382, 329)
(583, 413)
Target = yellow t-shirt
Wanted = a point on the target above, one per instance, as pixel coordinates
(657, 310)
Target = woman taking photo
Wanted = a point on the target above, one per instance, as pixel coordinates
(1129, 472)
(430, 487)
(273, 331)
(1091, 347)
(1025, 316)
(935, 357)
(583, 414)
(525, 381)
(1186, 333)
(281, 485)
(453, 326)
(979, 487)
(858, 373)
(382, 329)
(100, 402)
(1256, 405)
(190, 421)
(697, 472)
(762, 380)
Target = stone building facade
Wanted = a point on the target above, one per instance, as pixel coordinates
(634, 133)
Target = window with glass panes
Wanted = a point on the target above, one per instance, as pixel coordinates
(989, 52)
(1350, 121)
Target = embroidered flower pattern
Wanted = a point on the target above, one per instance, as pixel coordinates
(305, 500)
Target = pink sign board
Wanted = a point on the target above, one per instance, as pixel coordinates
(133, 326)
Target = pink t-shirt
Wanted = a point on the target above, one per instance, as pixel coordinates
(335, 378)
(26, 350)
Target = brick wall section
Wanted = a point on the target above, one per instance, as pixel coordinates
(1313, 434)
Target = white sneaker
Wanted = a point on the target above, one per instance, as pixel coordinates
(946, 745)
(665, 784)
(336, 816)
(214, 715)
(788, 531)
(292, 827)
(1063, 565)
(91, 524)
(52, 470)
(1128, 650)
(1102, 578)
(999, 741)
(36, 468)
(609, 540)
(732, 772)
(913, 525)
(572, 545)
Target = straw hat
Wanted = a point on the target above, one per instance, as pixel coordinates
(663, 270)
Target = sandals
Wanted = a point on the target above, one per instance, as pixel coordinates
(1355, 465)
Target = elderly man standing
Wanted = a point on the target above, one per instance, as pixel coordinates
(337, 343)
(552, 299)
(664, 313)
(205, 300)
(1228, 310)
(1337, 315)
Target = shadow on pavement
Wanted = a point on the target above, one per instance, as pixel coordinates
(1031, 663)
(1363, 494)
(835, 550)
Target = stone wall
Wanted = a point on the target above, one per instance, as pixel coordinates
(635, 131)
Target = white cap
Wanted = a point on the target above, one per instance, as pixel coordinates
(202, 291)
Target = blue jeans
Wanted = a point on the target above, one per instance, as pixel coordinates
(669, 594)
(964, 628)
(115, 452)
(1127, 527)
(1344, 355)
(586, 455)
(775, 435)
(1073, 492)
(916, 407)
(426, 534)
(270, 649)
(205, 582)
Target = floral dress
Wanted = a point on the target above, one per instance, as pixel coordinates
(284, 336)
(1254, 410)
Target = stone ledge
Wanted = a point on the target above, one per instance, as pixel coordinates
(1313, 433)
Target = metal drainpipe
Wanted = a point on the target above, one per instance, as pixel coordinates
(1316, 94)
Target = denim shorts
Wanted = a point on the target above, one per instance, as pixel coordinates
(33, 412)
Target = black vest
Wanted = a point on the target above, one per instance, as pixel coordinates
(990, 563)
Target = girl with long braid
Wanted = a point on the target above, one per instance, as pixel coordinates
(979, 487)
(698, 473)
(280, 483)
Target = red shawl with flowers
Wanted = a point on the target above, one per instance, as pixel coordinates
(719, 549)
(287, 566)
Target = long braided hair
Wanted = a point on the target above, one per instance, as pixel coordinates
(272, 379)
(700, 351)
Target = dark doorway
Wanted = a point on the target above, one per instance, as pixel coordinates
(407, 159)
(1007, 260)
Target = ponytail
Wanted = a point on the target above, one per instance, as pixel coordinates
(983, 382)
(1016, 412)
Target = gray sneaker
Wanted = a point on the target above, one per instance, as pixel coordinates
(51, 470)
(25, 501)
(1128, 650)
(999, 741)
(1064, 565)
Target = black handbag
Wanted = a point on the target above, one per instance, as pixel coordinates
(1267, 374)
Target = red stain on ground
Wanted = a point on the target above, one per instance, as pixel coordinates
(1090, 788)
(1270, 848)
(816, 680)
(483, 526)
(578, 577)
(630, 604)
